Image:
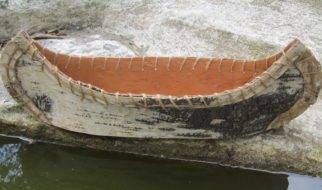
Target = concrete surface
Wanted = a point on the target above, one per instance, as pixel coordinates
(247, 29)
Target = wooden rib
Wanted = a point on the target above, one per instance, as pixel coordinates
(118, 63)
(130, 63)
(92, 62)
(219, 65)
(142, 64)
(255, 69)
(68, 60)
(209, 63)
(243, 66)
(169, 63)
(156, 63)
(105, 62)
(232, 65)
(195, 63)
(55, 57)
(183, 63)
(266, 61)
(79, 62)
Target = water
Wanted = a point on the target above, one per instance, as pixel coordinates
(50, 167)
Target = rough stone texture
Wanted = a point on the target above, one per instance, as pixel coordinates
(247, 29)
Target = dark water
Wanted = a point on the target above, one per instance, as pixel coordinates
(48, 167)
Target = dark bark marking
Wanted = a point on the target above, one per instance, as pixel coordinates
(42, 102)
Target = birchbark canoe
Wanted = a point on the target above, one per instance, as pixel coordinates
(160, 97)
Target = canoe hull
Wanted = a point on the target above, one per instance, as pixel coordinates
(38, 89)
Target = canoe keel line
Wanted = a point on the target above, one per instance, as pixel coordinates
(284, 90)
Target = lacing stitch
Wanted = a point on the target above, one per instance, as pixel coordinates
(286, 57)
(202, 99)
(35, 50)
(91, 92)
(230, 98)
(104, 98)
(132, 98)
(270, 75)
(42, 62)
(188, 100)
(70, 84)
(262, 82)
(252, 89)
(160, 101)
(144, 100)
(117, 97)
(57, 76)
(173, 103)
(217, 98)
(242, 93)
(81, 91)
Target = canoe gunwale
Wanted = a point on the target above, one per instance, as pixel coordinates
(23, 45)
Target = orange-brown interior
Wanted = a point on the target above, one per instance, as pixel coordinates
(149, 75)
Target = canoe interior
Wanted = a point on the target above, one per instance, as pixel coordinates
(171, 76)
